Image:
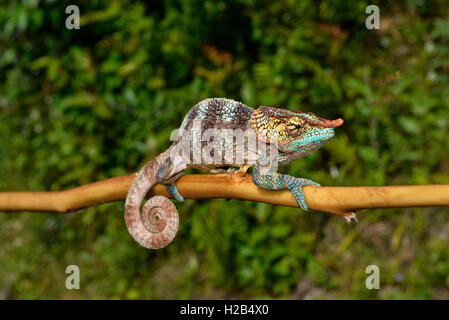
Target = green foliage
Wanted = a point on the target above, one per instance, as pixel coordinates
(78, 106)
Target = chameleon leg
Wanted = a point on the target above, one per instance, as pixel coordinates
(171, 186)
(217, 170)
(221, 170)
(277, 181)
(244, 169)
(163, 177)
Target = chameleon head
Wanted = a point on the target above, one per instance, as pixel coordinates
(293, 130)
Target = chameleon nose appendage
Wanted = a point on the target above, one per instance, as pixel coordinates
(334, 123)
(324, 123)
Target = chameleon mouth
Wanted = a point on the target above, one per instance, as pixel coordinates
(325, 123)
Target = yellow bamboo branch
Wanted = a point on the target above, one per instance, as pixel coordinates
(336, 200)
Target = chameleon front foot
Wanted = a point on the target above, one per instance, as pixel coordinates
(298, 193)
(296, 188)
(295, 185)
(276, 181)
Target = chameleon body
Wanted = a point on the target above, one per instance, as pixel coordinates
(294, 134)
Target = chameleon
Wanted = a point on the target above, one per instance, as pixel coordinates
(294, 134)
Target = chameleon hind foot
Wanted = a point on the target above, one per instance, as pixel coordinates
(174, 192)
(173, 189)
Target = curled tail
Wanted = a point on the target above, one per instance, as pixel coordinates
(156, 226)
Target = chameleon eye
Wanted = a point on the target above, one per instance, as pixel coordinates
(293, 127)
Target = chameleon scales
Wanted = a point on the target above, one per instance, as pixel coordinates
(294, 134)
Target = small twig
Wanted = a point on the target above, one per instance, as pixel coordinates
(335, 200)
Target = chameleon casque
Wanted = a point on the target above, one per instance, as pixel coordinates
(294, 134)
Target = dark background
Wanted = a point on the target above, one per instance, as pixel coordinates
(78, 106)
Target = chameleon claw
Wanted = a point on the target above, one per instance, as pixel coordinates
(350, 217)
(303, 205)
(298, 193)
(231, 170)
(174, 192)
(217, 170)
